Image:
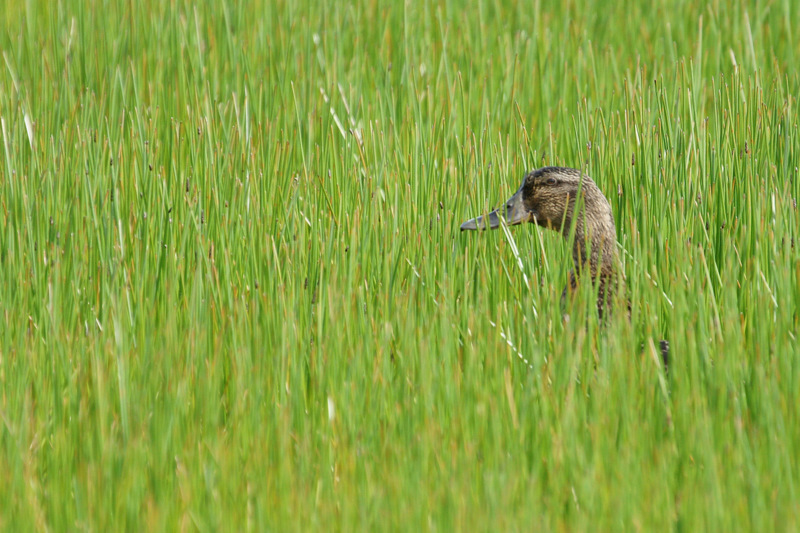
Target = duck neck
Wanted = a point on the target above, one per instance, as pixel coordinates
(594, 250)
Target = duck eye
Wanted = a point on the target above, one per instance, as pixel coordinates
(551, 181)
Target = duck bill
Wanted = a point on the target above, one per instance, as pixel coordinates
(513, 212)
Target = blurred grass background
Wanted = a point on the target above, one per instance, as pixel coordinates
(234, 295)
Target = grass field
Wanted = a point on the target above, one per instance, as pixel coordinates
(234, 294)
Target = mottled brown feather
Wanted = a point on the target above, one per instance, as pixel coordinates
(568, 201)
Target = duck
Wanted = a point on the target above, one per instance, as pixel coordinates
(568, 201)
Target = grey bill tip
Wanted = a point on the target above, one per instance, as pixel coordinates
(471, 224)
(513, 213)
(481, 222)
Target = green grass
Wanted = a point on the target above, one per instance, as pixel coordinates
(234, 295)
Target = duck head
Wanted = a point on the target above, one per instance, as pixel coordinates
(548, 197)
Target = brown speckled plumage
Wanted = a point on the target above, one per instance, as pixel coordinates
(547, 197)
(566, 200)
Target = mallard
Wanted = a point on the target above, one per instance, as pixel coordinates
(548, 197)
